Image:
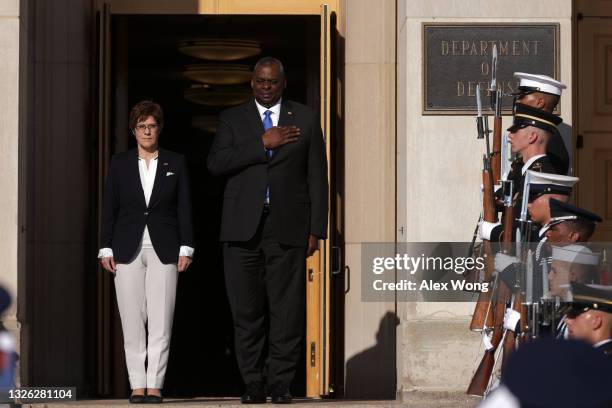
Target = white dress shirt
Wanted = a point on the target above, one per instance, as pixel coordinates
(275, 115)
(601, 343)
(147, 179)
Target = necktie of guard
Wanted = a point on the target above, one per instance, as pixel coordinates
(267, 124)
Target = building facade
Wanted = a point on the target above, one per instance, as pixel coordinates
(71, 69)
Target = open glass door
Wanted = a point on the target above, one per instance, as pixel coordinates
(318, 266)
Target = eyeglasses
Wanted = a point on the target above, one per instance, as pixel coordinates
(151, 127)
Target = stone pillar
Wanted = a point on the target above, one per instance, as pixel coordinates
(369, 202)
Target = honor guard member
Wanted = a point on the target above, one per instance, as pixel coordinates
(553, 373)
(544, 92)
(8, 356)
(571, 263)
(569, 224)
(588, 315)
(542, 188)
(530, 132)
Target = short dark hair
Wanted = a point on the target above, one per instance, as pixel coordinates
(143, 110)
(270, 61)
(584, 228)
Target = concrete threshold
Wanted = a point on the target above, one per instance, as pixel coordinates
(416, 399)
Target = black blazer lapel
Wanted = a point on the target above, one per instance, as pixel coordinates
(286, 117)
(160, 179)
(254, 119)
(135, 170)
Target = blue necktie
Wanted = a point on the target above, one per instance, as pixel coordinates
(267, 124)
(267, 121)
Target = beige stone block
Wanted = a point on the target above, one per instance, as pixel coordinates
(9, 154)
(9, 8)
(548, 9)
(370, 338)
(438, 311)
(370, 153)
(370, 31)
(438, 355)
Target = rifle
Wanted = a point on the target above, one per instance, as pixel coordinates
(482, 319)
(481, 377)
(517, 301)
(523, 237)
(496, 95)
(480, 380)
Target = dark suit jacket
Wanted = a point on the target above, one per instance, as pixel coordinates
(296, 174)
(606, 348)
(125, 212)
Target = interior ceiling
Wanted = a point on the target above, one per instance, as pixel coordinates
(153, 40)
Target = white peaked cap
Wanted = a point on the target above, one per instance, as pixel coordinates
(540, 83)
(536, 177)
(574, 253)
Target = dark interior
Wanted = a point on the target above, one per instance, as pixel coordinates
(202, 361)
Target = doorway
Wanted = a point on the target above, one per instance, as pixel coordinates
(146, 63)
(593, 21)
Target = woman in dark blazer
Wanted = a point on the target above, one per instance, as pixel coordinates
(146, 239)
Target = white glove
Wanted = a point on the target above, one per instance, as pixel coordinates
(511, 319)
(486, 340)
(502, 261)
(485, 228)
(495, 188)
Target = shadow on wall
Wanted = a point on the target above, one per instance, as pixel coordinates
(371, 374)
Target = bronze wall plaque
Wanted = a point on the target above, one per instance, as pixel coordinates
(457, 57)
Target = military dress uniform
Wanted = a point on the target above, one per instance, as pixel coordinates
(524, 116)
(532, 83)
(590, 297)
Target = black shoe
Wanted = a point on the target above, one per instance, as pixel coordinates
(153, 399)
(137, 399)
(280, 394)
(254, 394)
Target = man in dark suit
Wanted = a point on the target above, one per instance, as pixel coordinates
(274, 213)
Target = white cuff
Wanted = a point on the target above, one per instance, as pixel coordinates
(186, 251)
(511, 319)
(105, 253)
(486, 340)
(486, 228)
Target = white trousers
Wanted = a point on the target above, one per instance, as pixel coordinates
(146, 291)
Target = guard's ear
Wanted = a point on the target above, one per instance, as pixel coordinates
(533, 136)
(574, 236)
(596, 321)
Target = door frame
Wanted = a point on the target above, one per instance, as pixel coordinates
(582, 9)
(318, 279)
